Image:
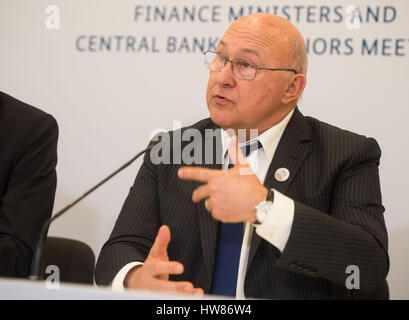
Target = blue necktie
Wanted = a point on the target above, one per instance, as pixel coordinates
(229, 246)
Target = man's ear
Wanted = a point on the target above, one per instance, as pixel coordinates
(296, 86)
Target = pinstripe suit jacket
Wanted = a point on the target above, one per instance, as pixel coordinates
(338, 218)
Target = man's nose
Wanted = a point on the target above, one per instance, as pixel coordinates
(225, 77)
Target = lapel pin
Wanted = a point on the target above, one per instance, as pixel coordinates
(282, 174)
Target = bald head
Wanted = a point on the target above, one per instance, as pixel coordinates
(281, 36)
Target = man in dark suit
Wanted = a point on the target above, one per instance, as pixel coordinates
(296, 214)
(28, 156)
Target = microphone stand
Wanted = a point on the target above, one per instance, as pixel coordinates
(35, 265)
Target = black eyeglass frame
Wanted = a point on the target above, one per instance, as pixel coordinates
(226, 60)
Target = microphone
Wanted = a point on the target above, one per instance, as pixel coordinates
(35, 264)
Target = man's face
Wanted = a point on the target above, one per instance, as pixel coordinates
(248, 104)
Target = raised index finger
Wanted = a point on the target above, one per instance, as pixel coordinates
(160, 246)
(196, 173)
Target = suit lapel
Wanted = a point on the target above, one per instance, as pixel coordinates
(291, 152)
(208, 226)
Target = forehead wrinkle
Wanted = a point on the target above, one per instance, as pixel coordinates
(248, 42)
(251, 36)
(256, 44)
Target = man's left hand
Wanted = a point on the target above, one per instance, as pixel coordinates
(230, 195)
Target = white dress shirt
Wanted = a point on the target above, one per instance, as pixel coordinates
(275, 228)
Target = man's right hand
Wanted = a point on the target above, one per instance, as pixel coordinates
(154, 273)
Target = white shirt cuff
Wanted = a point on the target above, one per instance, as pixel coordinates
(276, 227)
(118, 282)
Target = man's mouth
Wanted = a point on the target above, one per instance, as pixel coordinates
(221, 99)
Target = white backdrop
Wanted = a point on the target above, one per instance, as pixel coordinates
(107, 102)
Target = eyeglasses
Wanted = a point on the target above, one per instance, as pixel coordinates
(242, 69)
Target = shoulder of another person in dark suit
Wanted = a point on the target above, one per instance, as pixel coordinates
(22, 124)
